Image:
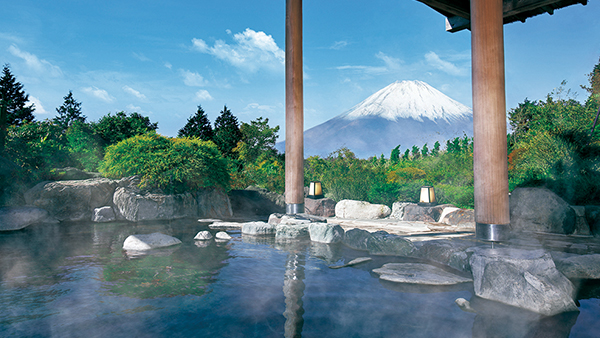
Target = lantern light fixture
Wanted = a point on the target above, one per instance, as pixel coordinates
(315, 190)
(427, 196)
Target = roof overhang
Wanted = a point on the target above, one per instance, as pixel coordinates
(457, 12)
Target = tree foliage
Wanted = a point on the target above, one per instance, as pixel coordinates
(227, 132)
(69, 112)
(13, 104)
(115, 128)
(197, 126)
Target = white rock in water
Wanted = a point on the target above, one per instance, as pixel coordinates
(148, 242)
(203, 236)
(222, 235)
(464, 305)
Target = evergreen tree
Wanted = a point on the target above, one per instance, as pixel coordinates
(197, 126)
(395, 155)
(425, 150)
(415, 152)
(12, 104)
(113, 129)
(227, 132)
(406, 155)
(69, 112)
(258, 140)
(436, 149)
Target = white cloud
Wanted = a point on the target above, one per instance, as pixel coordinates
(192, 79)
(34, 63)
(134, 92)
(435, 61)
(39, 109)
(339, 45)
(203, 95)
(140, 57)
(391, 64)
(99, 93)
(168, 65)
(252, 51)
(260, 107)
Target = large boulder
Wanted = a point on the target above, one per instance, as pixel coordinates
(361, 210)
(378, 243)
(291, 231)
(72, 200)
(213, 203)
(398, 210)
(413, 212)
(324, 207)
(133, 205)
(445, 251)
(104, 214)
(578, 266)
(541, 210)
(16, 218)
(526, 279)
(325, 232)
(462, 218)
(258, 229)
(148, 242)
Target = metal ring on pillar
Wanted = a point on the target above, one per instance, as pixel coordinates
(294, 208)
(492, 232)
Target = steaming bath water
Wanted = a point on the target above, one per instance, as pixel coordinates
(74, 280)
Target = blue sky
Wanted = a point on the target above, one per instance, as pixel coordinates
(162, 59)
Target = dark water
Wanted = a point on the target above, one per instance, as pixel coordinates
(74, 280)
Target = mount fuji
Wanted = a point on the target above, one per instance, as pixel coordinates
(404, 113)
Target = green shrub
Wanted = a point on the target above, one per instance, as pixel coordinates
(174, 165)
(84, 146)
(462, 197)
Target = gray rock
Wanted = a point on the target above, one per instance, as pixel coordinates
(463, 218)
(324, 207)
(225, 225)
(104, 214)
(353, 262)
(581, 225)
(148, 242)
(294, 219)
(203, 236)
(325, 232)
(592, 216)
(398, 210)
(291, 231)
(222, 235)
(539, 209)
(72, 200)
(441, 250)
(378, 243)
(138, 206)
(213, 203)
(16, 218)
(579, 266)
(258, 229)
(417, 273)
(523, 278)
(361, 210)
(275, 218)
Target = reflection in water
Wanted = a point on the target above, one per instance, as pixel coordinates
(293, 289)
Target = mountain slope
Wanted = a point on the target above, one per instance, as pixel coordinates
(404, 113)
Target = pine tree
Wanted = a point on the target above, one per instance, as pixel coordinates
(436, 148)
(227, 132)
(197, 126)
(395, 155)
(425, 150)
(13, 100)
(69, 112)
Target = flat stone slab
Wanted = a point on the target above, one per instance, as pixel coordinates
(225, 225)
(149, 242)
(353, 262)
(579, 266)
(418, 273)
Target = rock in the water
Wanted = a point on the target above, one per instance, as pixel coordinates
(378, 243)
(203, 236)
(137, 206)
(325, 232)
(442, 250)
(258, 229)
(464, 305)
(523, 278)
(225, 225)
(275, 218)
(222, 235)
(291, 231)
(148, 242)
(16, 218)
(539, 209)
(361, 210)
(72, 200)
(324, 207)
(579, 266)
(463, 218)
(104, 214)
(353, 262)
(213, 203)
(418, 273)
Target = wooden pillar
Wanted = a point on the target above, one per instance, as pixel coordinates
(492, 214)
(294, 109)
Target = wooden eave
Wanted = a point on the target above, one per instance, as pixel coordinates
(457, 12)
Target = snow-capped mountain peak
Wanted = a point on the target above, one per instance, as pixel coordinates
(409, 99)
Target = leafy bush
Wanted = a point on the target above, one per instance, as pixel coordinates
(84, 146)
(173, 165)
